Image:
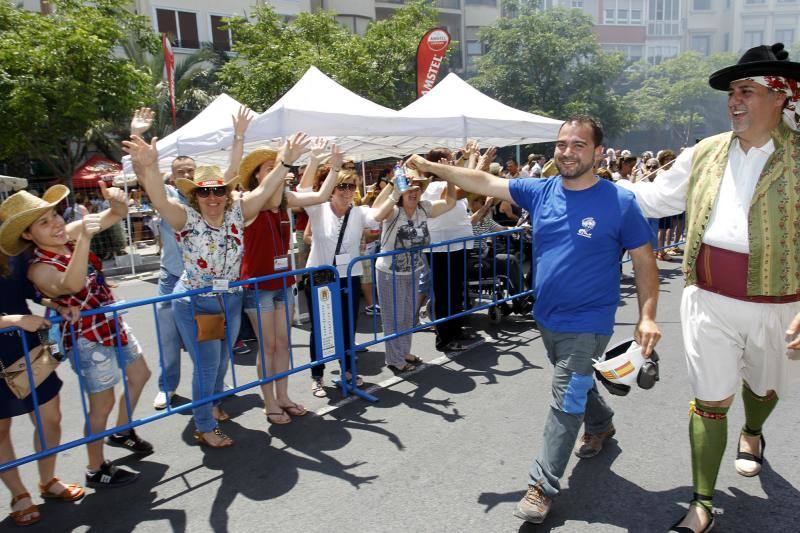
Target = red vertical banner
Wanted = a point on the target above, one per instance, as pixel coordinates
(430, 55)
(169, 68)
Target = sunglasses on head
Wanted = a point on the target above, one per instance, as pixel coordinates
(204, 192)
(346, 186)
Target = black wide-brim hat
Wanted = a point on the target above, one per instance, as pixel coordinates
(758, 61)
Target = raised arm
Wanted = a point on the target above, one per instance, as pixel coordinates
(386, 199)
(303, 199)
(141, 121)
(145, 163)
(666, 195)
(54, 283)
(240, 123)
(254, 201)
(440, 207)
(118, 208)
(470, 180)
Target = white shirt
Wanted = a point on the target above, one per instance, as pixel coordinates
(453, 224)
(325, 227)
(727, 227)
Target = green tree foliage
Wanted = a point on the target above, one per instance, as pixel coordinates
(675, 95)
(196, 84)
(273, 54)
(60, 77)
(549, 62)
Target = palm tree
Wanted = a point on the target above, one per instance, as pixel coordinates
(195, 83)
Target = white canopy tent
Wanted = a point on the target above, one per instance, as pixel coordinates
(454, 105)
(210, 132)
(448, 115)
(10, 184)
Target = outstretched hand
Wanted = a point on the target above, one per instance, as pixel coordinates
(418, 162)
(142, 154)
(90, 225)
(336, 157)
(241, 120)
(142, 120)
(293, 148)
(486, 159)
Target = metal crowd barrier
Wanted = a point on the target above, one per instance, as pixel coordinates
(506, 236)
(329, 342)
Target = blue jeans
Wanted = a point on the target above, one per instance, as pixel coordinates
(170, 374)
(210, 358)
(575, 401)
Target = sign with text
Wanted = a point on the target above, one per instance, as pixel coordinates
(430, 55)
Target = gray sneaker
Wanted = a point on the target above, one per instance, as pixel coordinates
(590, 445)
(534, 506)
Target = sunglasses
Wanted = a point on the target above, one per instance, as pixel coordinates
(204, 192)
(346, 186)
(651, 167)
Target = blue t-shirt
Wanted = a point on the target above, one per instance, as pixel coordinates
(578, 237)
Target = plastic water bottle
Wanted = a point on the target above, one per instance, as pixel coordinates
(400, 178)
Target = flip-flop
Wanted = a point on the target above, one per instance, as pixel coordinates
(277, 423)
(396, 370)
(359, 380)
(294, 410)
(414, 361)
(201, 439)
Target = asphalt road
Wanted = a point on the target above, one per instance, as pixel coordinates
(445, 449)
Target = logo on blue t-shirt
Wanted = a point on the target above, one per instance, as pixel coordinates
(588, 224)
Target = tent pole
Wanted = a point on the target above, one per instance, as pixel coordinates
(131, 249)
(363, 179)
(519, 161)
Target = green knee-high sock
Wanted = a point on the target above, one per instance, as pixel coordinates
(756, 410)
(708, 433)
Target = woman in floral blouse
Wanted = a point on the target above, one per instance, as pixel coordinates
(210, 231)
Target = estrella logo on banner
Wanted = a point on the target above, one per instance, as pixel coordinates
(430, 54)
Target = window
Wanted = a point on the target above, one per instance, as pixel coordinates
(220, 35)
(623, 11)
(752, 38)
(577, 4)
(702, 44)
(492, 3)
(633, 52)
(610, 18)
(181, 26)
(657, 54)
(663, 17)
(622, 15)
(701, 5)
(754, 2)
(784, 36)
(636, 16)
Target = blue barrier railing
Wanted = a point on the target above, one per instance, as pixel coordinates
(115, 311)
(506, 236)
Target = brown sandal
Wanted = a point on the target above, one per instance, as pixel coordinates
(72, 493)
(277, 423)
(19, 516)
(294, 409)
(223, 416)
(201, 439)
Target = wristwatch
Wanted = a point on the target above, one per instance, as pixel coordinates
(238, 137)
(284, 164)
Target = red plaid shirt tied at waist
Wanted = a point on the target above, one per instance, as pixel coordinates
(95, 294)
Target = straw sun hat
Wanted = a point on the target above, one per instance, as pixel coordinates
(252, 162)
(19, 211)
(205, 176)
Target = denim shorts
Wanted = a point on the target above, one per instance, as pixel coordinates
(267, 300)
(98, 363)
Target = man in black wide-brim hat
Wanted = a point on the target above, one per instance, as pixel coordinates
(740, 310)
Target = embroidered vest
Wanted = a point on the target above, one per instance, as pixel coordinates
(773, 267)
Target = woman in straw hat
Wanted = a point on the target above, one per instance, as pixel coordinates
(266, 247)
(16, 289)
(64, 269)
(210, 232)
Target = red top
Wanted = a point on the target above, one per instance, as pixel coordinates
(94, 294)
(265, 238)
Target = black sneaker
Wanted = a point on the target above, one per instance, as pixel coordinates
(130, 441)
(110, 476)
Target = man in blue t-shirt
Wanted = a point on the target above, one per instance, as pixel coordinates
(580, 224)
